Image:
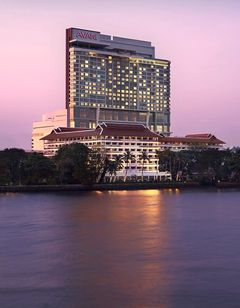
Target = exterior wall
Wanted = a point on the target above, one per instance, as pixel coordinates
(136, 173)
(122, 78)
(177, 147)
(115, 146)
(49, 121)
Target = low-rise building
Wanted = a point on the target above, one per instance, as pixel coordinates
(190, 142)
(115, 139)
(41, 128)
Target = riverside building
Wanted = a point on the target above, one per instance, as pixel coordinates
(114, 139)
(41, 128)
(115, 79)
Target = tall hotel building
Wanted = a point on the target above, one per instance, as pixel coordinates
(115, 79)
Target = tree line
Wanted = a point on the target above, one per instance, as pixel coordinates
(78, 164)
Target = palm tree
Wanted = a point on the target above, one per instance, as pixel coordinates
(118, 164)
(167, 161)
(106, 162)
(164, 160)
(114, 166)
(112, 169)
(128, 156)
(143, 157)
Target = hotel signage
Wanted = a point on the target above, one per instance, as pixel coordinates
(84, 35)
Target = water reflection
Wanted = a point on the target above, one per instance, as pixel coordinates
(146, 248)
(122, 242)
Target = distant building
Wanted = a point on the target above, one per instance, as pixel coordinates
(190, 142)
(49, 121)
(115, 79)
(115, 139)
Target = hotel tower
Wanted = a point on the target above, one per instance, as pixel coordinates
(115, 79)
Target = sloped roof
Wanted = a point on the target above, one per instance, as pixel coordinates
(70, 129)
(206, 135)
(103, 129)
(194, 139)
(129, 130)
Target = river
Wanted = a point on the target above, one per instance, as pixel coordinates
(147, 248)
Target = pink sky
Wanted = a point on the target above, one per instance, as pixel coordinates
(200, 39)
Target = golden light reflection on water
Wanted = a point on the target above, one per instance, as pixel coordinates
(143, 230)
(150, 192)
(129, 233)
(143, 192)
(172, 190)
(98, 192)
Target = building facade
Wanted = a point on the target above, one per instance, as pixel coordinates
(114, 79)
(41, 128)
(115, 139)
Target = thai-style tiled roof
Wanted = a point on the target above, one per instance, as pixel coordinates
(194, 139)
(129, 130)
(104, 129)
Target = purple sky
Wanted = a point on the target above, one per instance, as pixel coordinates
(200, 38)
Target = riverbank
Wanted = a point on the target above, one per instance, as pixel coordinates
(112, 186)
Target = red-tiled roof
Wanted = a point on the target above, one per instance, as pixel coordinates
(104, 129)
(128, 130)
(193, 140)
(56, 134)
(70, 129)
(206, 135)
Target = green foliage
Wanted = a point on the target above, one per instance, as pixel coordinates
(11, 166)
(77, 164)
(206, 166)
(115, 165)
(127, 157)
(143, 157)
(38, 169)
(232, 164)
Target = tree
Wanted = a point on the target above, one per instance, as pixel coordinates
(12, 165)
(128, 156)
(166, 160)
(71, 161)
(208, 164)
(106, 163)
(4, 174)
(38, 169)
(76, 164)
(143, 157)
(179, 164)
(112, 169)
(115, 165)
(96, 164)
(232, 163)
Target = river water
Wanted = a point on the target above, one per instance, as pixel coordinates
(152, 248)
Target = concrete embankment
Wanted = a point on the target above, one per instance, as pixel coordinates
(227, 185)
(112, 186)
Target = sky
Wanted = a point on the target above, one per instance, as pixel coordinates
(200, 38)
